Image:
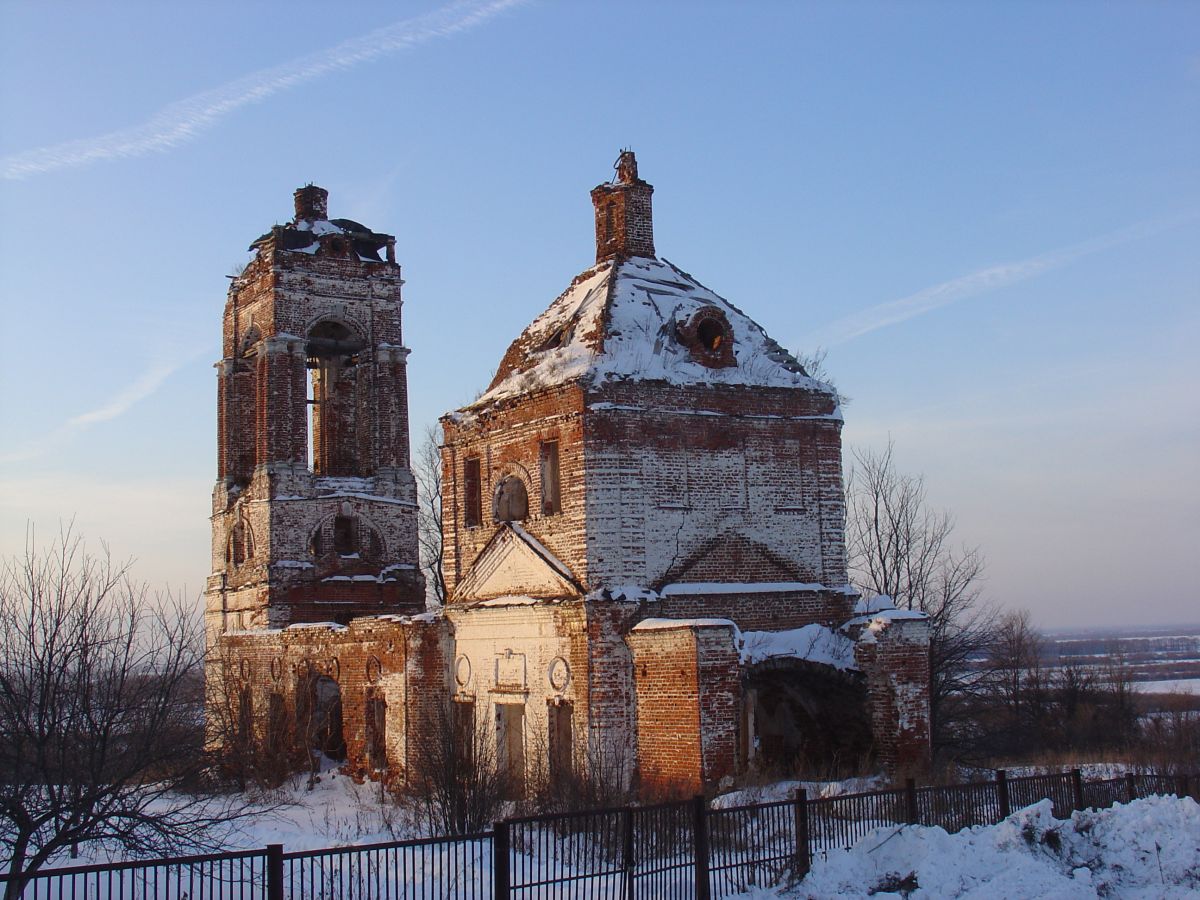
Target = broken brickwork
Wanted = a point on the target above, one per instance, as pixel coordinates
(314, 510)
(649, 482)
(894, 656)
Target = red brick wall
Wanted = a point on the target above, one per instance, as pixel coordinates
(688, 706)
(507, 441)
(895, 660)
(404, 661)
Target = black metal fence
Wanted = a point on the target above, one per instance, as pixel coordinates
(679, 850)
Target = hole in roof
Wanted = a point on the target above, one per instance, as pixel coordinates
(710, 334)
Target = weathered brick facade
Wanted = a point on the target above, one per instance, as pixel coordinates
(648, 480)
(314, 510)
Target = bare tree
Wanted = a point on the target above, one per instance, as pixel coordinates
(900, 547)
(459, 785)
(814, 365)
(427, 469)
(101, 727)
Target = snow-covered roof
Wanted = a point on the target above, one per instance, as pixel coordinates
(813, 643)
(657, 624)
(626, 319)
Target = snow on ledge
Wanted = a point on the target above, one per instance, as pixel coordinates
(814, 643)
(512, 600)
(300, 626)
(885, 616)
(666, 624)
(752, 587)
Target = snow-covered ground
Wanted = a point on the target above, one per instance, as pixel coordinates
(1147, 849)
(1172, 686)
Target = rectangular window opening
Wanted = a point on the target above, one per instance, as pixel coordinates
(472, 493)
(462, 725)
(551, 496)
(510, 747)
(377, 733)
(560, 741)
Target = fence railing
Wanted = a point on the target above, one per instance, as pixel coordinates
(679, 850)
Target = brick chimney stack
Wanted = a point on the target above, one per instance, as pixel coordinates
(312, 203)
(624, 221)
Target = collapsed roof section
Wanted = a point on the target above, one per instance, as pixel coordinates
(312, 232)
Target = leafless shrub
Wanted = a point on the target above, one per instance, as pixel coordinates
(457, 785)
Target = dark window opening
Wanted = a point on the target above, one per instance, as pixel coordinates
(472, 493)
(345, 541)
(512, 500)
(560, 740)
(245, 719)
(377, 733)
(276, 724)
(710, 334)
(551, 498)
(241, 545)
(510, 747)
(321, 723)
(462, 724)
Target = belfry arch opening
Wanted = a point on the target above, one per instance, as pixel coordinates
(333, 352)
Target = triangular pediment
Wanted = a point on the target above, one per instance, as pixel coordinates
(515, 564)
(733, 557)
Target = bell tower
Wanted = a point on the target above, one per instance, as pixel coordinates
(314, 515)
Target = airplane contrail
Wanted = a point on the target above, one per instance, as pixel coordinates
(182, 121)
(987, 279)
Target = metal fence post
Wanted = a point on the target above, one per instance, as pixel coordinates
(700, 837)
(803, 850)
(910, 800)
(1077, 788)
(627, 835)
(500, 874)
(1130, 788)
(1181, 786)
(1002, 794)
(274, 871)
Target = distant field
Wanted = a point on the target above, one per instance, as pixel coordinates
(1155, 659)
(1174, 686)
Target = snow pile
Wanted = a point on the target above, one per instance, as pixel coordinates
(814, 643)
(1147, 849)
(620, 320)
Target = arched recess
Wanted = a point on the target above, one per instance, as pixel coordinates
(803, 718)
(319, 716)
(333, 350)
(347, 535)
(511, 500)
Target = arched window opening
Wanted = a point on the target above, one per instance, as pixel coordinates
(345, 538)
(333, 352)
(320, 718)
(241, 544)
(512, 500)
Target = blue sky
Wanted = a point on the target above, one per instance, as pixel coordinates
(989, 214)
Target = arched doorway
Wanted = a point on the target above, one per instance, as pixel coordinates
(321, 723)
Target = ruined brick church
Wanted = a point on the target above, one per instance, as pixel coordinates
(643, 529)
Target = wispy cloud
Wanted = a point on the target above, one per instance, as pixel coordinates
(183, 121)
(988, 279)
(142, 387)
